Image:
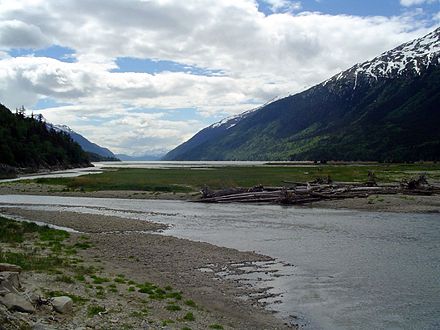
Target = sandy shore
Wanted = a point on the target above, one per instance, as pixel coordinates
(165, 260)
(385, 203)
(18, 188)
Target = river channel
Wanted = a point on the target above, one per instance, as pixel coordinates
(351, 269)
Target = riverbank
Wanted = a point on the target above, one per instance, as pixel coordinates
(374, 203)
(116, 252)
(12, 172)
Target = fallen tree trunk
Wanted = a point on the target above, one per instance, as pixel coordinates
(302, 193)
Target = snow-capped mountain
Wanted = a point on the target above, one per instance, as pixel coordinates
(410, 58)
(231, 121)
(386, 109)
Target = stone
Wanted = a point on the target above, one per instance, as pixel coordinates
(62, 304)
(9, 268)
(15, 302)
(33, 297)
(9, 282)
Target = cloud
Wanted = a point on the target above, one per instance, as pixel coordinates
(125, 132)
(18, 34)
(408, 3)
(260, 57)
(283, 5)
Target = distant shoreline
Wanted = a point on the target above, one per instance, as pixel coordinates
(12, 172)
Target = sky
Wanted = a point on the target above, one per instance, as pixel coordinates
(142, 76)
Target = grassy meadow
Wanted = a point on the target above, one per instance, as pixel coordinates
(186, 180)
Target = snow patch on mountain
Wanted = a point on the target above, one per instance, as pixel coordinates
(62, 128)
(410, 58)
(231, 121)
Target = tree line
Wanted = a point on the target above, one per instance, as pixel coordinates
(28, 142)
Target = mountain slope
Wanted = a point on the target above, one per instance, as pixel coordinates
(28, 143)
(385, 109)
(96, 152)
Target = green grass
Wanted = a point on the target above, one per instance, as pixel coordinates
(30, 261)
(93, 310)
(16, 231)
(189, 317)
(190, 180)
(215, 326)
(99, 280)
(19, 231)
(76, 299)
(65, 279)
(83, 245)
(190, 303)
(173, 308)
(166, 322)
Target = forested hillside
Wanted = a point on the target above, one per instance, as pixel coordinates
(26, 142)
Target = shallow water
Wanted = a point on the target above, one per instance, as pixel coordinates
(57, 174)
(352, 270)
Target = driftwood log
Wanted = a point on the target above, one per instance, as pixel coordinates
(317, 190)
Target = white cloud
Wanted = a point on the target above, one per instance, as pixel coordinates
(18, 34)
(408, 3)
(262, 56)
(122, 131)
(283, 5)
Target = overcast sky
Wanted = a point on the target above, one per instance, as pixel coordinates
(142, 76)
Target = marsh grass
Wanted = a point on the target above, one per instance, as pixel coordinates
(186, 180)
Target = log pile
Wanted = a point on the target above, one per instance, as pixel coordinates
(317, 190)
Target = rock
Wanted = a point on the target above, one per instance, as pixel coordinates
(9, 282)
(62, 304)
(15, 302)
(9, 268)
(33, 297)
(12, 321)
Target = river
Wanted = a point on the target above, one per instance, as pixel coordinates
(351, 270)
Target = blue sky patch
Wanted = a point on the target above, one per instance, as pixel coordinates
(48, 103)
(354, 7)
(60, 53)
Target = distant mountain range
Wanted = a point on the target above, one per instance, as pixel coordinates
(96, 152)
(146, 157)
(386, 109)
